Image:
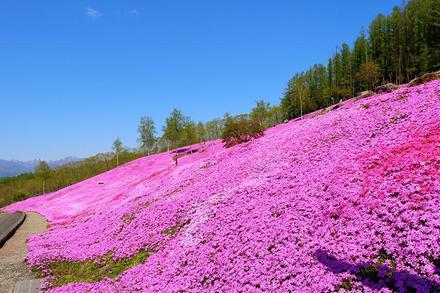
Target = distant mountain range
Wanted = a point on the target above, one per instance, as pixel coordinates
(13, 167)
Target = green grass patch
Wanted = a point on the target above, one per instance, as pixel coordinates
(383, 256)
(89, 271)
(347, 285)
(370, 272)
(128, 218)
(176, 228)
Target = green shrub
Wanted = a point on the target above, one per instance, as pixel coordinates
(240, 129)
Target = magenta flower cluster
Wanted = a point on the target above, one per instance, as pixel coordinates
(289, 211)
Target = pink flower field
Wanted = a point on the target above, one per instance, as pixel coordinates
(343, 199)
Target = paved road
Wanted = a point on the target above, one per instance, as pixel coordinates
(15, 275)
(9, 223)
(27, 286)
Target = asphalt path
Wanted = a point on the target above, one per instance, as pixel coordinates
(15, 275)
(9, 223)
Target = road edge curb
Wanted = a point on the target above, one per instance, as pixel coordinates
(8, 234)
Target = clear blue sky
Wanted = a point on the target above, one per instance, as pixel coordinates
(74, 75)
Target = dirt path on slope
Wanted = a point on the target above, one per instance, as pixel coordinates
(12, 254)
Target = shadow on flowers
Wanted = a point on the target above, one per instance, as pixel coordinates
(376, 276)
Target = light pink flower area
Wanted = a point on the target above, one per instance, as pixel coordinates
(301, 209)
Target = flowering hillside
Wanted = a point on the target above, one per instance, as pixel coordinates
(343, 199)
